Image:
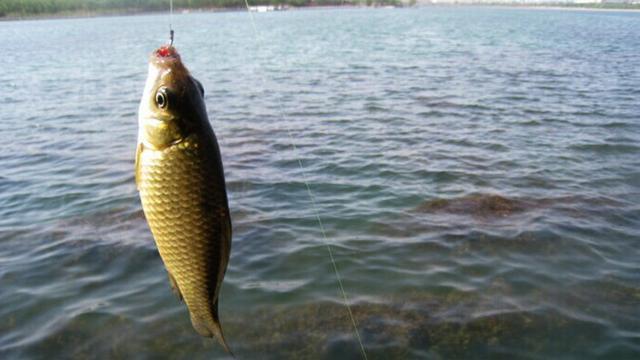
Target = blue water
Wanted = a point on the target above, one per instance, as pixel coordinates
(477, 171)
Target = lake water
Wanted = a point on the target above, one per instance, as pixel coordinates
(477, 171)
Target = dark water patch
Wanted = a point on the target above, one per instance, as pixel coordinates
(439, 114)
(493, 146)
(592, 113)
(457, 325)
(375, 108)
(441, 103)
(602, 123)
(530, 122)
(428, 99)
(314, 114)
(606, 148)
(407, 328)
(496, 206)
(515, 98)
(477, 205)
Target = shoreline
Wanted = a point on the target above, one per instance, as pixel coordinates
(81, 14)
(565, 8)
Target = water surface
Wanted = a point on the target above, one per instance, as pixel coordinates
(476, 170)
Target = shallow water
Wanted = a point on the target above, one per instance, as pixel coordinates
(476, 170)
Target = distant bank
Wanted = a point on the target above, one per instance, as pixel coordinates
(21, 10)
(573, 6)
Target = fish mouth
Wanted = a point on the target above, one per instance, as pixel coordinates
(165, 56)
(168, 62)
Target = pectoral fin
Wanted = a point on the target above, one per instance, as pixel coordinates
(137, 165)
(199, 84)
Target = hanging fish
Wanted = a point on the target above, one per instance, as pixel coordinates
(180, 178)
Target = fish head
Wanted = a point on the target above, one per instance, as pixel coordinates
(172, 104)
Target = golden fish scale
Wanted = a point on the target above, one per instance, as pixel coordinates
(189, 219)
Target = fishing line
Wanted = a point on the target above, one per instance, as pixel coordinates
(171, 37)
(311, 197)
(171, 22)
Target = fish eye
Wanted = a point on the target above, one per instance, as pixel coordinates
(162, 100)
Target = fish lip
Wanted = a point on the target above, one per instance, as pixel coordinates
(166, 60)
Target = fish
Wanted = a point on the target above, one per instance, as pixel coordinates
(180, 179)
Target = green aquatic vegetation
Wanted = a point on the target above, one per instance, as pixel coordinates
(46, 7)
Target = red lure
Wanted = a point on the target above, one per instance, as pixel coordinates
(165, 51)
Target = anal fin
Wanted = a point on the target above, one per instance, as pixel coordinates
(174, 286)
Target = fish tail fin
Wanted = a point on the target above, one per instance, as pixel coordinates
(217, 332)
(212, 328)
